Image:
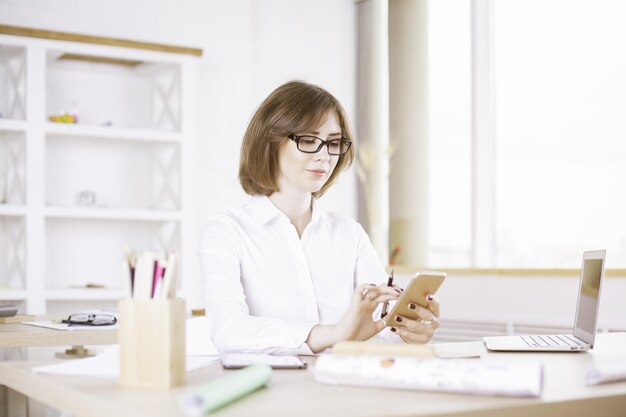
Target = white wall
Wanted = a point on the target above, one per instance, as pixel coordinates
(250, 47)
(535, 300)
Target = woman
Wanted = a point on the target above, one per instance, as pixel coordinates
(282, 277)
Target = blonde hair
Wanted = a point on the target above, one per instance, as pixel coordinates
(293, 107)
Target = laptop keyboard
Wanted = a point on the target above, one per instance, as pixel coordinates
(546, 340)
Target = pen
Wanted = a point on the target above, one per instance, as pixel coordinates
(386, 304)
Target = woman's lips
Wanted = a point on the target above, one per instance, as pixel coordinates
(317, 172)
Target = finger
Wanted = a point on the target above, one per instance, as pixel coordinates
(360, 291)
(423, 313)
(380, 324)
(389, 290)
(384, 297)
(417, 326)
(433, 304)
(410, 337)
(386, 291)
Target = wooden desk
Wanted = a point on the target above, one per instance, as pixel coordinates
(23, 335)
(296, 393)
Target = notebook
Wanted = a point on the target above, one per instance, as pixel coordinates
(461, 376)
(585, 323)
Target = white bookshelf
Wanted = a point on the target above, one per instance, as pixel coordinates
(7, 125)
(73, 196)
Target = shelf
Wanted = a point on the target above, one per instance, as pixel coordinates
(74, 196)
(12, 295)
(12, 210)
(112, 133)
(77, 294)
(96, 213)
(10, 125)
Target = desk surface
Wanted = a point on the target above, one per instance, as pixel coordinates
(293, 392)
(23, 335)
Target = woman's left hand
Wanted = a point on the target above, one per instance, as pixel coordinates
(422, 329)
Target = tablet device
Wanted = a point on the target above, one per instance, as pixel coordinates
(422, 284)
(242, 360)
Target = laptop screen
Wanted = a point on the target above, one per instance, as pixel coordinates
(589, 295)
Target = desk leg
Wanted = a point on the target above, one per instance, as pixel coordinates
(16, 403)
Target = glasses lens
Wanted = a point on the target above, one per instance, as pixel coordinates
(78, 318)
(100, 319)
(309, 143)
(338, 146)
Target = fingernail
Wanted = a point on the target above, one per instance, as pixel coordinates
(412, 306)
(393, 329)
(399, 319)
(430, 297)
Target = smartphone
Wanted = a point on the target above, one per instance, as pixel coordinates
(422, 284)
(241, 360)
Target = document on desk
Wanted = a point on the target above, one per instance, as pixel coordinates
(462, 376)
(108, 365)
(69, 327)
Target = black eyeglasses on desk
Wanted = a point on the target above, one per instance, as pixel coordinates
(90, 319)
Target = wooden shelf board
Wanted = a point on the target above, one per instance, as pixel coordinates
(98, 40)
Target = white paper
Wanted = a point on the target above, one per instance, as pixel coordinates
(65, 326)
(56, 325)
(107, 365)
(464, 376)
(606, 374)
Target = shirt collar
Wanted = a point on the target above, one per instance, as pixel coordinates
(263, 210)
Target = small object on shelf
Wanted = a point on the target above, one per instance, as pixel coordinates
(393, 257)
(8, 310)
(63, 117)
(198, 312)
(85, 198)
(88, 285)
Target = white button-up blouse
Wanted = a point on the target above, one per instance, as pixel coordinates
(265, 287)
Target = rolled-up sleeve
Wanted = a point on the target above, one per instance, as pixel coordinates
(231, 326)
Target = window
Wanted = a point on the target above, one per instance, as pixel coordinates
(557, 116)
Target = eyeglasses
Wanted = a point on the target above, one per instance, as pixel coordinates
(313, 144)
(91, 319)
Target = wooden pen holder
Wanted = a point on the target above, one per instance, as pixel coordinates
(152, 343)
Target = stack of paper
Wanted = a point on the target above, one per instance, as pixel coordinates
(467, 376)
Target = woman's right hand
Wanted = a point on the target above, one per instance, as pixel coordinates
(358, 322)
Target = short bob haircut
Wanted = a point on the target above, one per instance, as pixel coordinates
(294, 107)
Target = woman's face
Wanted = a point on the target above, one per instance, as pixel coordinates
(308, 172)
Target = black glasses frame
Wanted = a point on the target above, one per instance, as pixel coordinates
(327, 143)
(91, 320)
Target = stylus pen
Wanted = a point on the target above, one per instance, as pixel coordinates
(386, 304)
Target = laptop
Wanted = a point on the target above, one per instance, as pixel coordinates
(583, 335)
